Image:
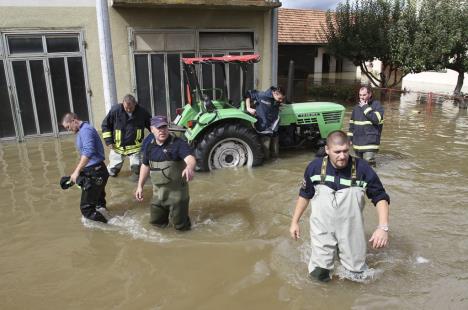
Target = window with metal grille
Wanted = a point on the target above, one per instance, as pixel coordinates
(47, 78)
(159, 79)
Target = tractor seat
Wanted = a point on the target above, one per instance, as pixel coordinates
(209, 106)
(234, 104)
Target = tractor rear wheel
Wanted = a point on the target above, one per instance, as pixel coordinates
(229, 146)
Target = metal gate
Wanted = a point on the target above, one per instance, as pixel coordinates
(43, 77)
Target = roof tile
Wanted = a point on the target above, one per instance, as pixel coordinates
(297, 26)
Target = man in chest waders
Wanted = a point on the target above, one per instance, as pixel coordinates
(171, 165)
(335, 187)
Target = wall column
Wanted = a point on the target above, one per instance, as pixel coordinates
(274, 47)
(105, 48)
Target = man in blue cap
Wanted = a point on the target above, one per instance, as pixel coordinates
(170, 162)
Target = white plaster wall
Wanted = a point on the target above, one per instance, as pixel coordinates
(318, 60)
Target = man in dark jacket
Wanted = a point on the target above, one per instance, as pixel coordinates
(170, 163)
(335, 186)
(123, 131)
(265, 106)
(365, 125)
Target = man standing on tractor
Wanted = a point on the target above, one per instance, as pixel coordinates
(123, 131)
(171, 165)
(265, 106)
(365, 125)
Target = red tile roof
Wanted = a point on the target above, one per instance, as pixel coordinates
(300, 26)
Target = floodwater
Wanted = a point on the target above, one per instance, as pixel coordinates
(239, 254)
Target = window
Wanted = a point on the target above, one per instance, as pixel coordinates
(62, 44)
(170, 41)
(226, 41)
(180, 42)
(7, 125)
(40, 95)
(25, 44)
(160, 84)
(149, 42)
(47, 76)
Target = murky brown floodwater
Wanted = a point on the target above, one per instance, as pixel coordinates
(239, 254)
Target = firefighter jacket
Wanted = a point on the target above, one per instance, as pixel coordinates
(365, 126)
(124, 132)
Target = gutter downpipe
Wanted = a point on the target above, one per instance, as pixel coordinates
(105, 49)
(274, 46)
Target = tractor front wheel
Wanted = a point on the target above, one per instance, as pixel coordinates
(229, 146)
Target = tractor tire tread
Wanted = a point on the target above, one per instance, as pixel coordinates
(239, 131)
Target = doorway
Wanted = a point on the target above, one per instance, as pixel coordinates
(42, 77)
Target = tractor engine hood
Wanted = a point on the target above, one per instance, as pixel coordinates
(310, 112)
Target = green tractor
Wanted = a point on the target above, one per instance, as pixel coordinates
(223, 134)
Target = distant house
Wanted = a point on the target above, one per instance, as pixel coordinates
(50, 60)
(299, 40)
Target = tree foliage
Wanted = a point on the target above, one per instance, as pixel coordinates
(402, 37)
(361, 31)
(442, 37)
(408, 36)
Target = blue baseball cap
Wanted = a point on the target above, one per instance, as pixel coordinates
(158, 121)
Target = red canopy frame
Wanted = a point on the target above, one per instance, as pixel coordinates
(224, 59)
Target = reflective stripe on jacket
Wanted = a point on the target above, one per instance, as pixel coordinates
(124, 132)
(365, 126)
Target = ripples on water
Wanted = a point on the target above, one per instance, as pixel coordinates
(239, 253)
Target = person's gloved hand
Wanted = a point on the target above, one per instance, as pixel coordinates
(65, 182)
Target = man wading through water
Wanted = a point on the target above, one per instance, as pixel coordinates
(170, 163)
(335, 186)
(365, 126)
(123, 131)
(90, 168)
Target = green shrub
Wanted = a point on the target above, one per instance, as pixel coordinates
(345, 92)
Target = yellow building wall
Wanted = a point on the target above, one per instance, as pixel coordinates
(121, 19)
(60, 18)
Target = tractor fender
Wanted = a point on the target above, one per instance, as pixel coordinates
(205, 121)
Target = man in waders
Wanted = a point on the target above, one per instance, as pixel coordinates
(365, 125)
(335, 186)
(170, 163)
(90, 168)
(265, 107)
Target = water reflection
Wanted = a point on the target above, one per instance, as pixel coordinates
(239, 254)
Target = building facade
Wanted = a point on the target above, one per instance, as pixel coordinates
(300, 39)
(50, 56)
